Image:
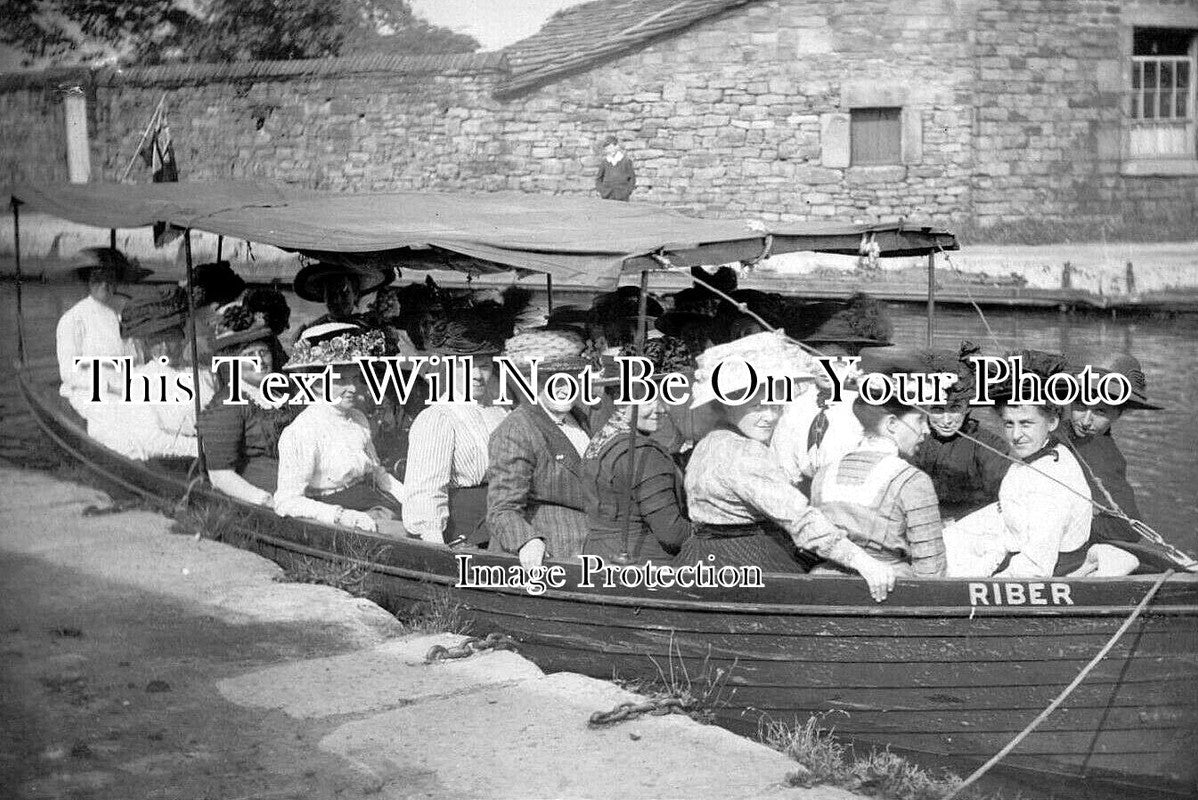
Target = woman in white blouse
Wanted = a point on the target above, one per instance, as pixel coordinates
(328, 468)
(446, 476)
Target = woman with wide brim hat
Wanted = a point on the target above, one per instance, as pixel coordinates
(148, 426)
(328, 468)
(92, 327)
(1088, 431)
(537, 498)
(958, 454)
(744, 510)
(637, 509)
(241, 439)
(616, 316)
(340, 287)
(447, 460)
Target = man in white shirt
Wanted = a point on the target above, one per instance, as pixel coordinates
(92, 327)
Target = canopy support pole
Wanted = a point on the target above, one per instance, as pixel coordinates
(112, 238)
(635, 461)
(16, 242)
(931, 297)
(220, 248)
(549, 290)
(195, 355)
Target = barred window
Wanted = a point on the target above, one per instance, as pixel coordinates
(1162, 93)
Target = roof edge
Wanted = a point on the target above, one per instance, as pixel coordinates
(183, 74)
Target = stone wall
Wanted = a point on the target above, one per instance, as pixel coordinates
(1012, 112)
(1051, 94)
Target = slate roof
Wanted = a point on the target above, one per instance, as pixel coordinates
(580, 37)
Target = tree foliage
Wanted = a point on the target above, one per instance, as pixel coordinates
(162, 31)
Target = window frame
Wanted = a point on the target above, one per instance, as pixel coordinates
(1135, 160)
(893, 125)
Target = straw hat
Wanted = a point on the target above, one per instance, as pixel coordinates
(768, 354)
(309, 282)
(164, 310)
(463, 336)
(553, 350)
(1126, 365)
(335, 344)
(109, 263)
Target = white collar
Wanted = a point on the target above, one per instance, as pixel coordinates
(879, 444)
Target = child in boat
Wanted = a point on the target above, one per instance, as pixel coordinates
(92, 327)
(1041, 523)
(150, 426)
(537, 497)
(328, 468)
(888, 506)
(637, 512)
(744, 510)
(965, 474)
(241, 441)
(446, 476)
(1088, 434)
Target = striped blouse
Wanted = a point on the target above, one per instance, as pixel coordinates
(447, 448)
(888, 506)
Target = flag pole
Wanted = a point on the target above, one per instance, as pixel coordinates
(145, 135)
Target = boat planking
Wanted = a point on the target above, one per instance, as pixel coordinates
(948, 668)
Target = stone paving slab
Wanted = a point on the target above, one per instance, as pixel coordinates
(390, 675)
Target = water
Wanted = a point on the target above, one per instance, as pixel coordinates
(1161, 446)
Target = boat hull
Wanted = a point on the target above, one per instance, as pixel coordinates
(948, 668)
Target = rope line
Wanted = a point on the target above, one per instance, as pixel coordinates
(1055, 704)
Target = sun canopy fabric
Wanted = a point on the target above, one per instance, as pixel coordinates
(571, 238)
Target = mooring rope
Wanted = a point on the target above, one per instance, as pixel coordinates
(1055, 704)
(965, 285)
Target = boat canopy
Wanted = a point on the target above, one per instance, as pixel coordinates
(568, 238)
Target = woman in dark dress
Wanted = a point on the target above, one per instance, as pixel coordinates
(636, 511)
(241, 441)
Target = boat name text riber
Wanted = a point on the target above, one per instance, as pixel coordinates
(1020, 594)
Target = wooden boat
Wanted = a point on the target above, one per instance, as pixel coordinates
(945, 667)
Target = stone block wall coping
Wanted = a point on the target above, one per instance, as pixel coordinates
(185, 74)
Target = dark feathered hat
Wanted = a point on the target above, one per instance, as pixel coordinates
(216, 282)
(862, 321)
(108, 262)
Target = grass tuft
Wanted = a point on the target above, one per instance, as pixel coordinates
(349, 571)
(701, 694)
(440, 613)
(879, 773)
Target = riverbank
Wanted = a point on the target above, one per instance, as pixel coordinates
(137, 663)
(1119, 276)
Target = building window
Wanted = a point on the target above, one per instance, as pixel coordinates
(1162, 120)
(875, 136)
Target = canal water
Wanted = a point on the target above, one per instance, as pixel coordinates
(1161, 446)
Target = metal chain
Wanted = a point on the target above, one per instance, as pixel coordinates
(656, 707)
(475, 644)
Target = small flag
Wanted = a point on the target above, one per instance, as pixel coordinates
(159, 155)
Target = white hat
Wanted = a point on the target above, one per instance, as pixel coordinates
(762, 356)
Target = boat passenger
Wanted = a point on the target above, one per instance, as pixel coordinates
(637, 511)
(966, 474)
(340, 287)
(215, 285)
(150, 426)
(888, 506)
(744, 510)
(328, 468)
(537, 497)
(241, 440)
(1041, 523)
(1088, 433)
(446, 476)
(816, 430)
(92, 327)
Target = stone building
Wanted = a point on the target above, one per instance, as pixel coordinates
(981, 114)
